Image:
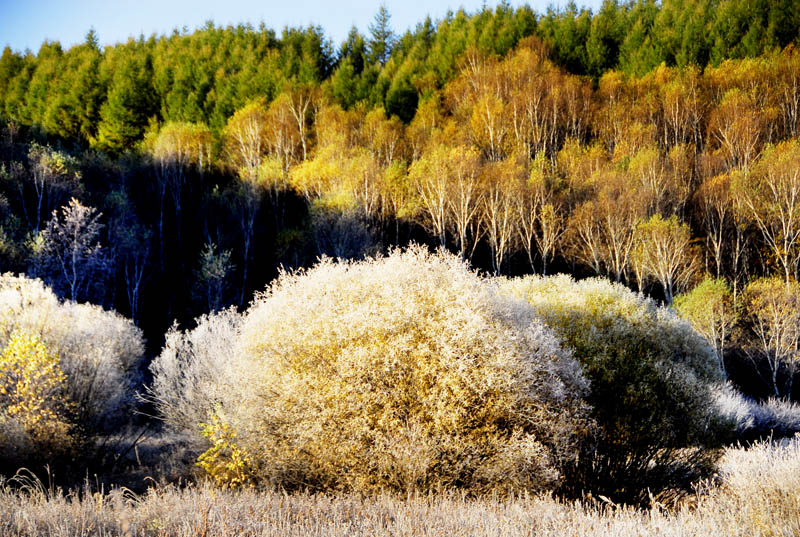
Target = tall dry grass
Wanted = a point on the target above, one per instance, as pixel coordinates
(757, 493)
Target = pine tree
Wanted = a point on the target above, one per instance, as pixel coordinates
(383, 38)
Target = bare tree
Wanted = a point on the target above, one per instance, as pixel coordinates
(68, 252)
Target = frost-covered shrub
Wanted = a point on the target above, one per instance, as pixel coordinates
(752, 419)
(406, 372)
(650, 374)
(98, 350)
(194, 372)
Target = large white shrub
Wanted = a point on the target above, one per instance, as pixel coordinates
(98, 350)
(405, 372)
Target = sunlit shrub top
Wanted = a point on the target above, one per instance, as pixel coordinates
(406, 372)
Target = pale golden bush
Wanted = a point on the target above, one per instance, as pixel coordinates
(98, 350)
(403, 373)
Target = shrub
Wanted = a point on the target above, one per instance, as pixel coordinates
(34, 420)
(752, 419)
(97, 350)
(650, 375)
(194, 373)
(403, 373)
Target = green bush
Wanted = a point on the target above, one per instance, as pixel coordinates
(651, 377)
(403, 373)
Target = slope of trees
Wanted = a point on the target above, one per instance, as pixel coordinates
(650, 143)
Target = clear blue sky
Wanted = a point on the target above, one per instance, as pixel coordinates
(25, 24)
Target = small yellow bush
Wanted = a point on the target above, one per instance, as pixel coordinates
(224, 462)
(32, 399)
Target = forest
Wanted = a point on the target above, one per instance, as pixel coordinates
(504, 252)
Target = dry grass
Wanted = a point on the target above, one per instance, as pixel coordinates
(758, 494)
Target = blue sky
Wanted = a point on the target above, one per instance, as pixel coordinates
(24, 24)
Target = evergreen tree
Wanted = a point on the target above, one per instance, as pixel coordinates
(382, 37)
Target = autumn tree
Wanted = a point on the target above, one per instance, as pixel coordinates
(448, 183)
(502, 184)
(539, 220)
(429, 175)
(773, 310)
(665, 252)
(245, 138)
(177, 149)
(710, 308)
(738, 126)
(726, 227)
(54, 175)
(770, 198)
(602, 227)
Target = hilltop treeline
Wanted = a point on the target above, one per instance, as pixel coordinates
(107, 97)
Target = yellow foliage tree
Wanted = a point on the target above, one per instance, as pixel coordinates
(32, 398)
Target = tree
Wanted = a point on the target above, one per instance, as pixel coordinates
(711, 310)
(248, 136)
(539, 220)
(245, 138)
(382, 37)
(128, 107)
(68, 253)
(772, 308)
(501, 185)
(215, 267)
(429, 177)
(739, 125)
(54, 175)
(770, 198)
(176, 149)
(130, 244)
(602, 229)
(665, 252)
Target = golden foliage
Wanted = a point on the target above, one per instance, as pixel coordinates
(32, 386)
(224, 462)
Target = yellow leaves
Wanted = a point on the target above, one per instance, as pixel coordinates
(225, 463)
(31, 389)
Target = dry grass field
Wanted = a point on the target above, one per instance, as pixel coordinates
(757, 493)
